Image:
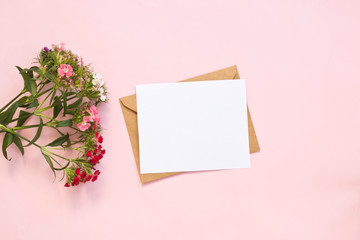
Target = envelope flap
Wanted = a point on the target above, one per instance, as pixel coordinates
(129, 102)
(226, 73)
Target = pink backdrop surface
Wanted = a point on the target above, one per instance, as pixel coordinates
(302, 65)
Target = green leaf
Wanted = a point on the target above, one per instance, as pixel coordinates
(50, 76)
(75, 104)
(57, 107)
(23, 73)
(11, 111)
(34, 103)
(6, 117)
(70, 112)
(23, 116)
(29, 82)
(59, 169)
(24, 101)
(59, 141)
(53, 97)
(48, 160)
(65, 123)
(18, 143)
(38, 133)
(35, 69)
(8, 140)
(2, 118)
(30, 73)
(33, 87)
(64, 102)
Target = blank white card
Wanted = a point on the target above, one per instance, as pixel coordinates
(192, 126)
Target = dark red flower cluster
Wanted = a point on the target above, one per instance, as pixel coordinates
(98, 153)
(83, 177)
(80, 175)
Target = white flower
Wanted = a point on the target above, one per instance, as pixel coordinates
(101, 90)
(79, 59)
(103, 98)
(97, 83)
(97, 76)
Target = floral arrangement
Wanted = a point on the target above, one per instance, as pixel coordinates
(62, 93)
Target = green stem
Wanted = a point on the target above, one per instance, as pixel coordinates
(64, 149)
(42, 86)
(44, 116)
(40, 94)
(55, 161)
(67, 159)
(44, 109)
(25, 127)
(13, 100)
(71, 98)
(44, 100)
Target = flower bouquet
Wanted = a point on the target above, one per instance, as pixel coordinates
(62, 94)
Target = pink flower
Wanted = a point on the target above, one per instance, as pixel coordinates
(83, 125)
(79, 59)
(61, 46)
(88, 119)
(94, 117)
(65, 69)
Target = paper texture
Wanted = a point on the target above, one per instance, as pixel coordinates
(128, 106)
(192, 126)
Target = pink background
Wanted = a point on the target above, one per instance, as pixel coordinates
(302, 65)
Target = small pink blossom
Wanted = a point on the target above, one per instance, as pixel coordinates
(88, 119)
(79, 59)
(94, 117)
(65, 69)
(83, 125)
(61, 46)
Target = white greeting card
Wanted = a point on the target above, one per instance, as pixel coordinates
(192, 126)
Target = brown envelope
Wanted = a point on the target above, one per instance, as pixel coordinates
(128, 106)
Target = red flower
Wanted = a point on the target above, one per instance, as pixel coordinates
(94, 160)
(77, 171)
(103, 152)
(88, 178)
(97, 173)
(89, 154)
(94, 178)
(66, 185)
(75, 181)
(83, 175)
(100, 139)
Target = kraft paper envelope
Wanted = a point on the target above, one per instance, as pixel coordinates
(128, 106)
